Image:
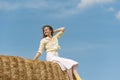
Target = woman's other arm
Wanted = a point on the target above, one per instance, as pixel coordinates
(37, 56)
(40, 50)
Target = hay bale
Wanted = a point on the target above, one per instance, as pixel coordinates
(17, 68)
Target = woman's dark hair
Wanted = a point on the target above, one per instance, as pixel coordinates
(50, 27)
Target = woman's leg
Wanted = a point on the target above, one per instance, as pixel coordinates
(76, 73)
(70, 75)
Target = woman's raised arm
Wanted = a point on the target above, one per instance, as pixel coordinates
(60, 29)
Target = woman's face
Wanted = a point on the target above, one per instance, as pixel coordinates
(47, 31)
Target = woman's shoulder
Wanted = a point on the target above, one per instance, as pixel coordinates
(44, 40)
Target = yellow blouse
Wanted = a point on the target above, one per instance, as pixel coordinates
(50, 44)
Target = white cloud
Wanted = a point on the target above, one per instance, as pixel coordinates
(37, 4)
(40, 4)
(58, 8)
(87, 3)
(5, 5)
(8, 6)
(118, 15)
(111, 9)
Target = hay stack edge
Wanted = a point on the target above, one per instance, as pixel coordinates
(18, 68)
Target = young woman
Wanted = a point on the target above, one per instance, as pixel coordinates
(49, 43)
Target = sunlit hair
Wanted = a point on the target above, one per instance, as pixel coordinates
(50, 27)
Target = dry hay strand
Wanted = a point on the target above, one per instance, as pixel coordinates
(18, 68)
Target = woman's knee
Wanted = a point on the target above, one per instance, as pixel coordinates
(74, 66)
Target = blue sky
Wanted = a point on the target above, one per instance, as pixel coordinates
(91, 36)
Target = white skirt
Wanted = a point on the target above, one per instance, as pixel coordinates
(64, 63)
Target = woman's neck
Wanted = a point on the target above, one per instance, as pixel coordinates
(50, 36)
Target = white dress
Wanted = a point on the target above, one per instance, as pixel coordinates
(64, 63)
(51, 46)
